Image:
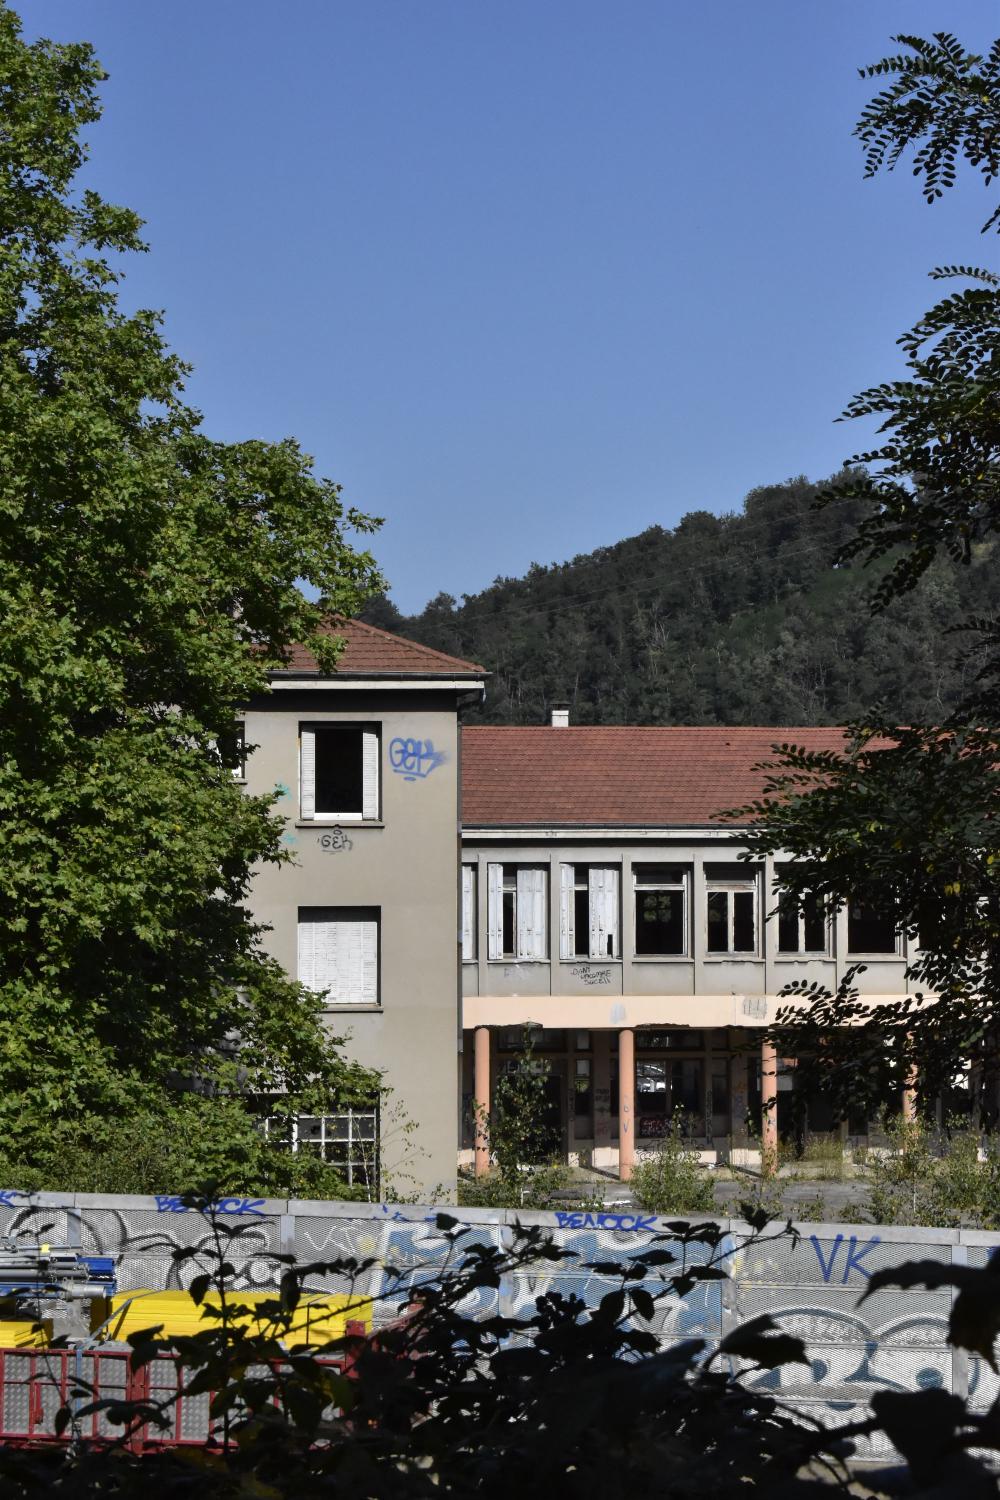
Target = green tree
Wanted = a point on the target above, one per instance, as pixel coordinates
(148, 582)
(906, 820)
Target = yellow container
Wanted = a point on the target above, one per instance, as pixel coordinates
(319, 1318)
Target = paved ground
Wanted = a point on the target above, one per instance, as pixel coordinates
(841, 1201)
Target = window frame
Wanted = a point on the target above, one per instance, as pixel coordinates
(897, 951)
(581, 883)
(345, 914)
(367, 1173)
(370, 731)
(470, 913)
(732, 886)
(684, 886)
(496, 952)
(802, 951)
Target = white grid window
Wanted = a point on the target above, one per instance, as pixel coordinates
(348, 1140)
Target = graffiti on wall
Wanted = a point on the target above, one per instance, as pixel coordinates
(414, 759)
(895, 1340)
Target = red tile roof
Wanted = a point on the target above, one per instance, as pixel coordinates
(370, 652)
(656, 775)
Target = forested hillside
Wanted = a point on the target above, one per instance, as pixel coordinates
(737, 619)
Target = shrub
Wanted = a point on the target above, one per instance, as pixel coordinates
(669, 1180)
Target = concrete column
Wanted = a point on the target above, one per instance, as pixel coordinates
(602, 1093)
(481, 1096)
(910, 1094)
(626, 1104)
(769, 1107)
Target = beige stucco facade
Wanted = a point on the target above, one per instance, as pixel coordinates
(402, 865)
(692, 1017)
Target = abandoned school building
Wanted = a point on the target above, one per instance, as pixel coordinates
(453, 886)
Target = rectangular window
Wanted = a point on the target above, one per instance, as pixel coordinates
(870, 930)
(468, 912)
(339, 953)
(732, 916)
(339, 772)
(589, 902)
(802, 924)
(660, 910)
(348, 1140)
(240, 753)
(516, 911)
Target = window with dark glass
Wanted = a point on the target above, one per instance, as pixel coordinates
(802, 923)
(660, 911)
(870, 929)
(732, 916)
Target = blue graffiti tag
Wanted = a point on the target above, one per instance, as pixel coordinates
(169, 1203)
(8, 1197)
(632, 1222)
(414, 759)
(854, 1256)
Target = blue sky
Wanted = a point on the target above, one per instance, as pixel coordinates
(525, 277)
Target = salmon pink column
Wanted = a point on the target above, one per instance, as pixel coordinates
(769, 1108)
(481, 1096)
(910, 1095)
(626, 1104)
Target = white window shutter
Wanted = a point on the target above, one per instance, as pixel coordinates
(369, 962)
(567, 880)
(468, 911)
(306, 957)
(307, 773)
(494, 911)
(603, 892)
(530, 913)
(369, 773)
(340, 956)
(612, 907)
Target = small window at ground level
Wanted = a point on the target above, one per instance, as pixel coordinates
(870, 930)
(348, 1140)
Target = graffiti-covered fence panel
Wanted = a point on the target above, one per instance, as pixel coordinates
(811, 1287)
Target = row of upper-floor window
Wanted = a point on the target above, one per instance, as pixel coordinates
(658, 922)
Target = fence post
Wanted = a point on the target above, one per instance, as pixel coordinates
(959, 1357)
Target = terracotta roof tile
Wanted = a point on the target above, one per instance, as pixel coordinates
(657, 775)
(370, 651)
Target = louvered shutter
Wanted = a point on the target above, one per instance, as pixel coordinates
(307, 773)
(603, 893)
(340, 955)
(369, 773)
(567, 880)
(494, 911)
(530, 913)
(306, 955)
(468, 911)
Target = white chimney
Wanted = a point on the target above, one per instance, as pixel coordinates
(560, 716)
